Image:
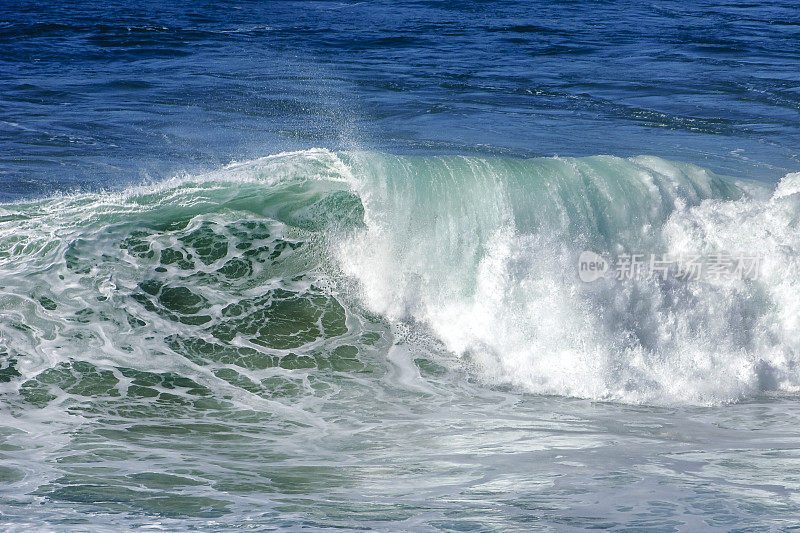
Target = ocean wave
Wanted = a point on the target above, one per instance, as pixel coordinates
(298, 262)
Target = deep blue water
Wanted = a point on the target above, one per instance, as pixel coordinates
(98, 94)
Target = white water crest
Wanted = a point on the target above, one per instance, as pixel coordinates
(483, 253)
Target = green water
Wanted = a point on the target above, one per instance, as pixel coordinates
(370, 341)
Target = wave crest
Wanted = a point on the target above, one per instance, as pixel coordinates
(479, 253)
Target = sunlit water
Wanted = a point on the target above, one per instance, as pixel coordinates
(313, 265)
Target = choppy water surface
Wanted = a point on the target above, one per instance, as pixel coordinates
(371, 318)
(106, 93)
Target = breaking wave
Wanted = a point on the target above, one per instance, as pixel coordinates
(318, 261)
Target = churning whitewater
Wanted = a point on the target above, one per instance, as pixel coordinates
(311, 259)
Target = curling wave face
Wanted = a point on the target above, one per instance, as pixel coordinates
(276, 277)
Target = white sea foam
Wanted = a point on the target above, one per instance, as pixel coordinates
(484, 255)
(480, 253)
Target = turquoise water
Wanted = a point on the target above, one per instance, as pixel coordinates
(356, 340)
(314, 265)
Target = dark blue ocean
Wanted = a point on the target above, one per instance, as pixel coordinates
(99, 94)
(304, 265)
